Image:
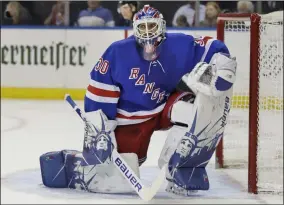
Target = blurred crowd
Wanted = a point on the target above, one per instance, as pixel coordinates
(120, 13)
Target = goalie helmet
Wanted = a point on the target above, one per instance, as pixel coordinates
(149, 29)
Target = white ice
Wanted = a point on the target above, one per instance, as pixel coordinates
(31, 128)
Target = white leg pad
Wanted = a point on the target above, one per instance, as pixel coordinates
(174, 136)
(180, 113)
(210, 109)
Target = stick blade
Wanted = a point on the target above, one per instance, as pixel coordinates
(156, 185)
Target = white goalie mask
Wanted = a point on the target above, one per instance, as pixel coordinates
(149, 29)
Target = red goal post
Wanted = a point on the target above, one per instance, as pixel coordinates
(252, 24)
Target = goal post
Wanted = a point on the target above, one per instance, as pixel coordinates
(255, 124)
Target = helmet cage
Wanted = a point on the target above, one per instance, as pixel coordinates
(148, 29)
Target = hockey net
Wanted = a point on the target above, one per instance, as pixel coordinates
(253, 139)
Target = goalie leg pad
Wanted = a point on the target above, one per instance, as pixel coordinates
(69, 169)
(53, 168)
(50, 164)
(189, 178)
(194, 146)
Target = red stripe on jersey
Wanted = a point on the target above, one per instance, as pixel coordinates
(103, 93)
(136, 117)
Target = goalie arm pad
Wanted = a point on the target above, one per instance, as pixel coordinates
(215, 78)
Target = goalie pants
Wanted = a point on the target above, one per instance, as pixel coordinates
(136, 138)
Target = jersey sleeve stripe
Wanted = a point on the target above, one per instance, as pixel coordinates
(207, 47)
(142, 113)
(101, 99)
(104, 86)
(102, 92)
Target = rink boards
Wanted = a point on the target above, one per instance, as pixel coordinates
(44, 63)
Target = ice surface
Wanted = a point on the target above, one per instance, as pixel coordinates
(30, 128)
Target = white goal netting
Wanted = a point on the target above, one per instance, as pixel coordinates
(270, 113)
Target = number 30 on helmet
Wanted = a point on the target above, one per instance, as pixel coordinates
(149, 30)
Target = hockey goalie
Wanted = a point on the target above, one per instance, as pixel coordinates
(150, 81)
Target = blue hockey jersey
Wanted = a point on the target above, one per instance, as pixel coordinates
(132, 90)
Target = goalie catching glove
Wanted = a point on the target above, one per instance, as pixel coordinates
(215, 78)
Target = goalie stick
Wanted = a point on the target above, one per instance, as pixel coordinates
(145, 192)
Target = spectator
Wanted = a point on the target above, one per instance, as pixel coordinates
(126, 9)
(228, 6)
(271, 6)
(189, 12)
(56, 17)
(212, 12)
(16, 14)
(245, 7)
(182, 21)
(95, 15)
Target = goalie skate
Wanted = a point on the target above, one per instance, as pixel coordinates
(175, 189)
